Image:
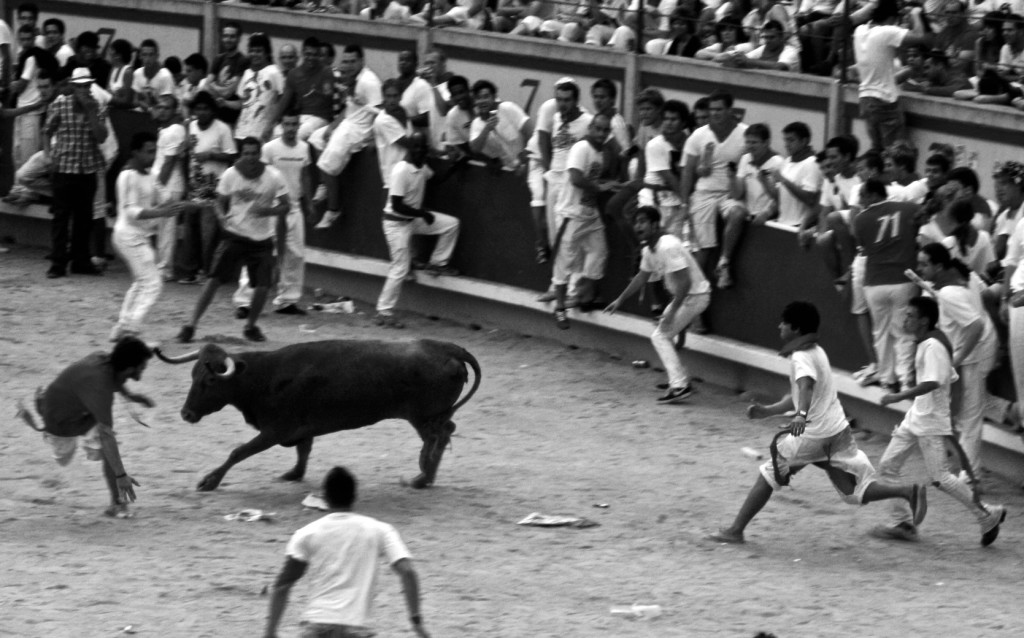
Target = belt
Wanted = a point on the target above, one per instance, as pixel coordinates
(397, 218)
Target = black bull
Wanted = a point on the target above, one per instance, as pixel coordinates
(305, 390)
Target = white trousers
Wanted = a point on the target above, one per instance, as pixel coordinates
(398, 235)
(933, 449)
(27, 137)
(1016, 345)
(969, 419)
(146, 281)
(167, 234)
(663, 337)
(291, 267)
(583, 251)
(346, 140)
(894, 347)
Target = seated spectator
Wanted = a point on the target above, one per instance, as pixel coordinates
(33, 62)
(841, 180)
(958, 39)
(939, 80)
(936, 167)
(151, 80)
(1011, 56)
(32, 177)
(773, 54)
(473, 15)
(501, 128)
(799, 178)
(989, 43)
(750, 185)
(765, 11)
(389, 10)
(913, 65)
(730, 39)
(681, 39)
(508, 13)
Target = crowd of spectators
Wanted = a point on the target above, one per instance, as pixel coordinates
(700, 170)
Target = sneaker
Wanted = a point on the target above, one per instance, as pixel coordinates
(548, 296)
(191, 280)
(387, 321)
(898, 532)
(724, 278)
(869, 369)
(561, 319)
(435, 270)
(186, 334)
(242, 312)
(919, 504)
(328, 219)
(253, 333)
(320, 194)
(675, 395)
(990, 524)
(290, 309)
(54, 273)
(726, 536)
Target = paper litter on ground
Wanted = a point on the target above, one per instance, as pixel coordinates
(250, 515)
(315, 502)
(537, 519)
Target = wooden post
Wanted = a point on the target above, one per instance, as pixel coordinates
(211, 34)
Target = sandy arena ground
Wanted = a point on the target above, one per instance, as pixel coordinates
(552, 430)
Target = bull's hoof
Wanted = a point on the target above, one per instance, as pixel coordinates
(292, 475)
(421, 482)
(209, 483)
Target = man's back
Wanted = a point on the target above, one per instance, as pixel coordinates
(342, 550)
(887, 234)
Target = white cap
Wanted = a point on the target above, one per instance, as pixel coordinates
(81, 75)
(564, 80)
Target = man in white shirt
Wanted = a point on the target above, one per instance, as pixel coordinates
(287, 58)
(582, 248)
(53, 40)
(417, 93)
(139, 212)
(926, 427)
(666, 256)
(875, 47)
(706, 159)
(169, 176)
(773, 54)
(339, 554)
(501, 129)
(391, 130)
(458, 119)
(259, 89)
(404, 217)
(799, 178)
(662, 157)
(751, 188)
(151, 80)
(818, 434)
(32, 60)
(252, 200)
(351, 131)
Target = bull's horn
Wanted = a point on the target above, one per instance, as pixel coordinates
(229, 368)
(184, 358)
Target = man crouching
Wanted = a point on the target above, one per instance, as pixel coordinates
(79, 403)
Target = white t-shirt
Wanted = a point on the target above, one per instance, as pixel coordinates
(755, 195)
(290, 161)
(789, 56)
(367, 92)
(456, 126)
(620, 132)
(63, 54)
(807, 175)
(671, 255)
(875, 48)
(246, 194)
(572, 200)
(658, 156)
(976, 257)
(408, 182)
(387, 130)
(341, 551)
(216, 138)
(731, 149)
(438, 120)
(564, 135)
(545, 116)
(29, 74)
(418, 98)
(505, 142)
(960, 306)
(826, 417)
(170, 142)
(160, 84)
(1009, 61)
(929, 415)
(135, 192)
(838, 192)
(259, 91)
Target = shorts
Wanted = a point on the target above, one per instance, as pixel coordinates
(64, 446)
(705, 209)
(323, 630)
(234, 253)
(858, 300)
(839, 451)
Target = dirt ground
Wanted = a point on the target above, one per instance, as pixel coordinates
(552, 430)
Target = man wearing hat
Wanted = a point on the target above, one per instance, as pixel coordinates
(75, 125)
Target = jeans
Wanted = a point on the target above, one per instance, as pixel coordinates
(199, 239)
(884, 121)
(72, 208)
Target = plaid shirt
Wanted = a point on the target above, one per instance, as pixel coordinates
(75, 149)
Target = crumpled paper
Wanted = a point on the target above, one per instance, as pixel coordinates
(251, 515)
(537, 519)
(316, 502)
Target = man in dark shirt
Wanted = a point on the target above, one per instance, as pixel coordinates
(87, 47)
(79, 403)
(226, 72)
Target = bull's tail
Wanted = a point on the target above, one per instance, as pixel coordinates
(466, 358)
